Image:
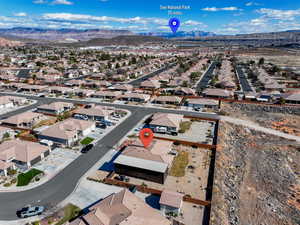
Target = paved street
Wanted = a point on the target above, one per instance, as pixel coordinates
(139, 80)
(63, 184)
(57, 189)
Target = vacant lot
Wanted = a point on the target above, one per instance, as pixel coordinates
(287, 123)
(256, 179)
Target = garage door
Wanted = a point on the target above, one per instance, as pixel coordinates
(46, 153)
(36, 160)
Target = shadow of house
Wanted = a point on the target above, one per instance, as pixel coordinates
(153, 201)
(109, 166)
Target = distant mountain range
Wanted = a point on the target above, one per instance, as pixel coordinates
(73, 35)
(68, 35)
(181, 34)
(124, 37)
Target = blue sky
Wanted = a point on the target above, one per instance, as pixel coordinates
(219, 16)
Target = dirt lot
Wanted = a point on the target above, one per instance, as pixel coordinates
(286, 123)
(191, 214)
(198, 132)
(256, 179)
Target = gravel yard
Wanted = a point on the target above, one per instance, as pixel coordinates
(199, 132)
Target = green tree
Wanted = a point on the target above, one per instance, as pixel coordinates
(261, 61)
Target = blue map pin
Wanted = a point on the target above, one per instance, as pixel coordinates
(174, 24)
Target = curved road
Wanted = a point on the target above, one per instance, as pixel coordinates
(59, 187)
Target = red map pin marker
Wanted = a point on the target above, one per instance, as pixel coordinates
(146, 136)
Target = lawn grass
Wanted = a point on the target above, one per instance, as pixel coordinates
(25, 178)
(70, 211)
(185, 126)
(179, 164)
(86, 140)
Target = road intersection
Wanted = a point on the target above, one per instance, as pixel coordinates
(63, 184)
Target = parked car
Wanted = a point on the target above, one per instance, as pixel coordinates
(162, 130)
(30, 211)
(80, 117)
(117, 116)
(101, 125)
(88, 106)
(138, 129)
(174, 133)
(87, 148)
(108, 123)
(42, 95)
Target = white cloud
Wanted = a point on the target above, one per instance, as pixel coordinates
(62, 2)
(20, 14)
(259, 25)
(252, 4)
(258, 22)
(40, 2)
(191, 23)
(279, 14)
(163, 28)
(215, 9)
(85, 17)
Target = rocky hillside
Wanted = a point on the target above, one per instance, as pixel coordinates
(120, 40)
(9, 43)
(256, 179)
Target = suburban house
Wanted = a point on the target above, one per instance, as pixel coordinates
(106, 94)
(98, 113)
(75, 83)
(150, 84)
(67, 132)
(123, 208)
(170, 202)
(55, 108)
(24, 120)
(292, 98)
(202, 103)
(150, 163)
(134, 97)
(217, 93)
(184, 91)
(33, 88)
(84, 92)
(123, 87)
(169, 121)
(98, 84)
(5, 102)
(60, 90)
(21, 153)
(170, 100)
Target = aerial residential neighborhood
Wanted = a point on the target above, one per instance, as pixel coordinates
(149, 113)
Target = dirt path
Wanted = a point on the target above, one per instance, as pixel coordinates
(257, 127)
